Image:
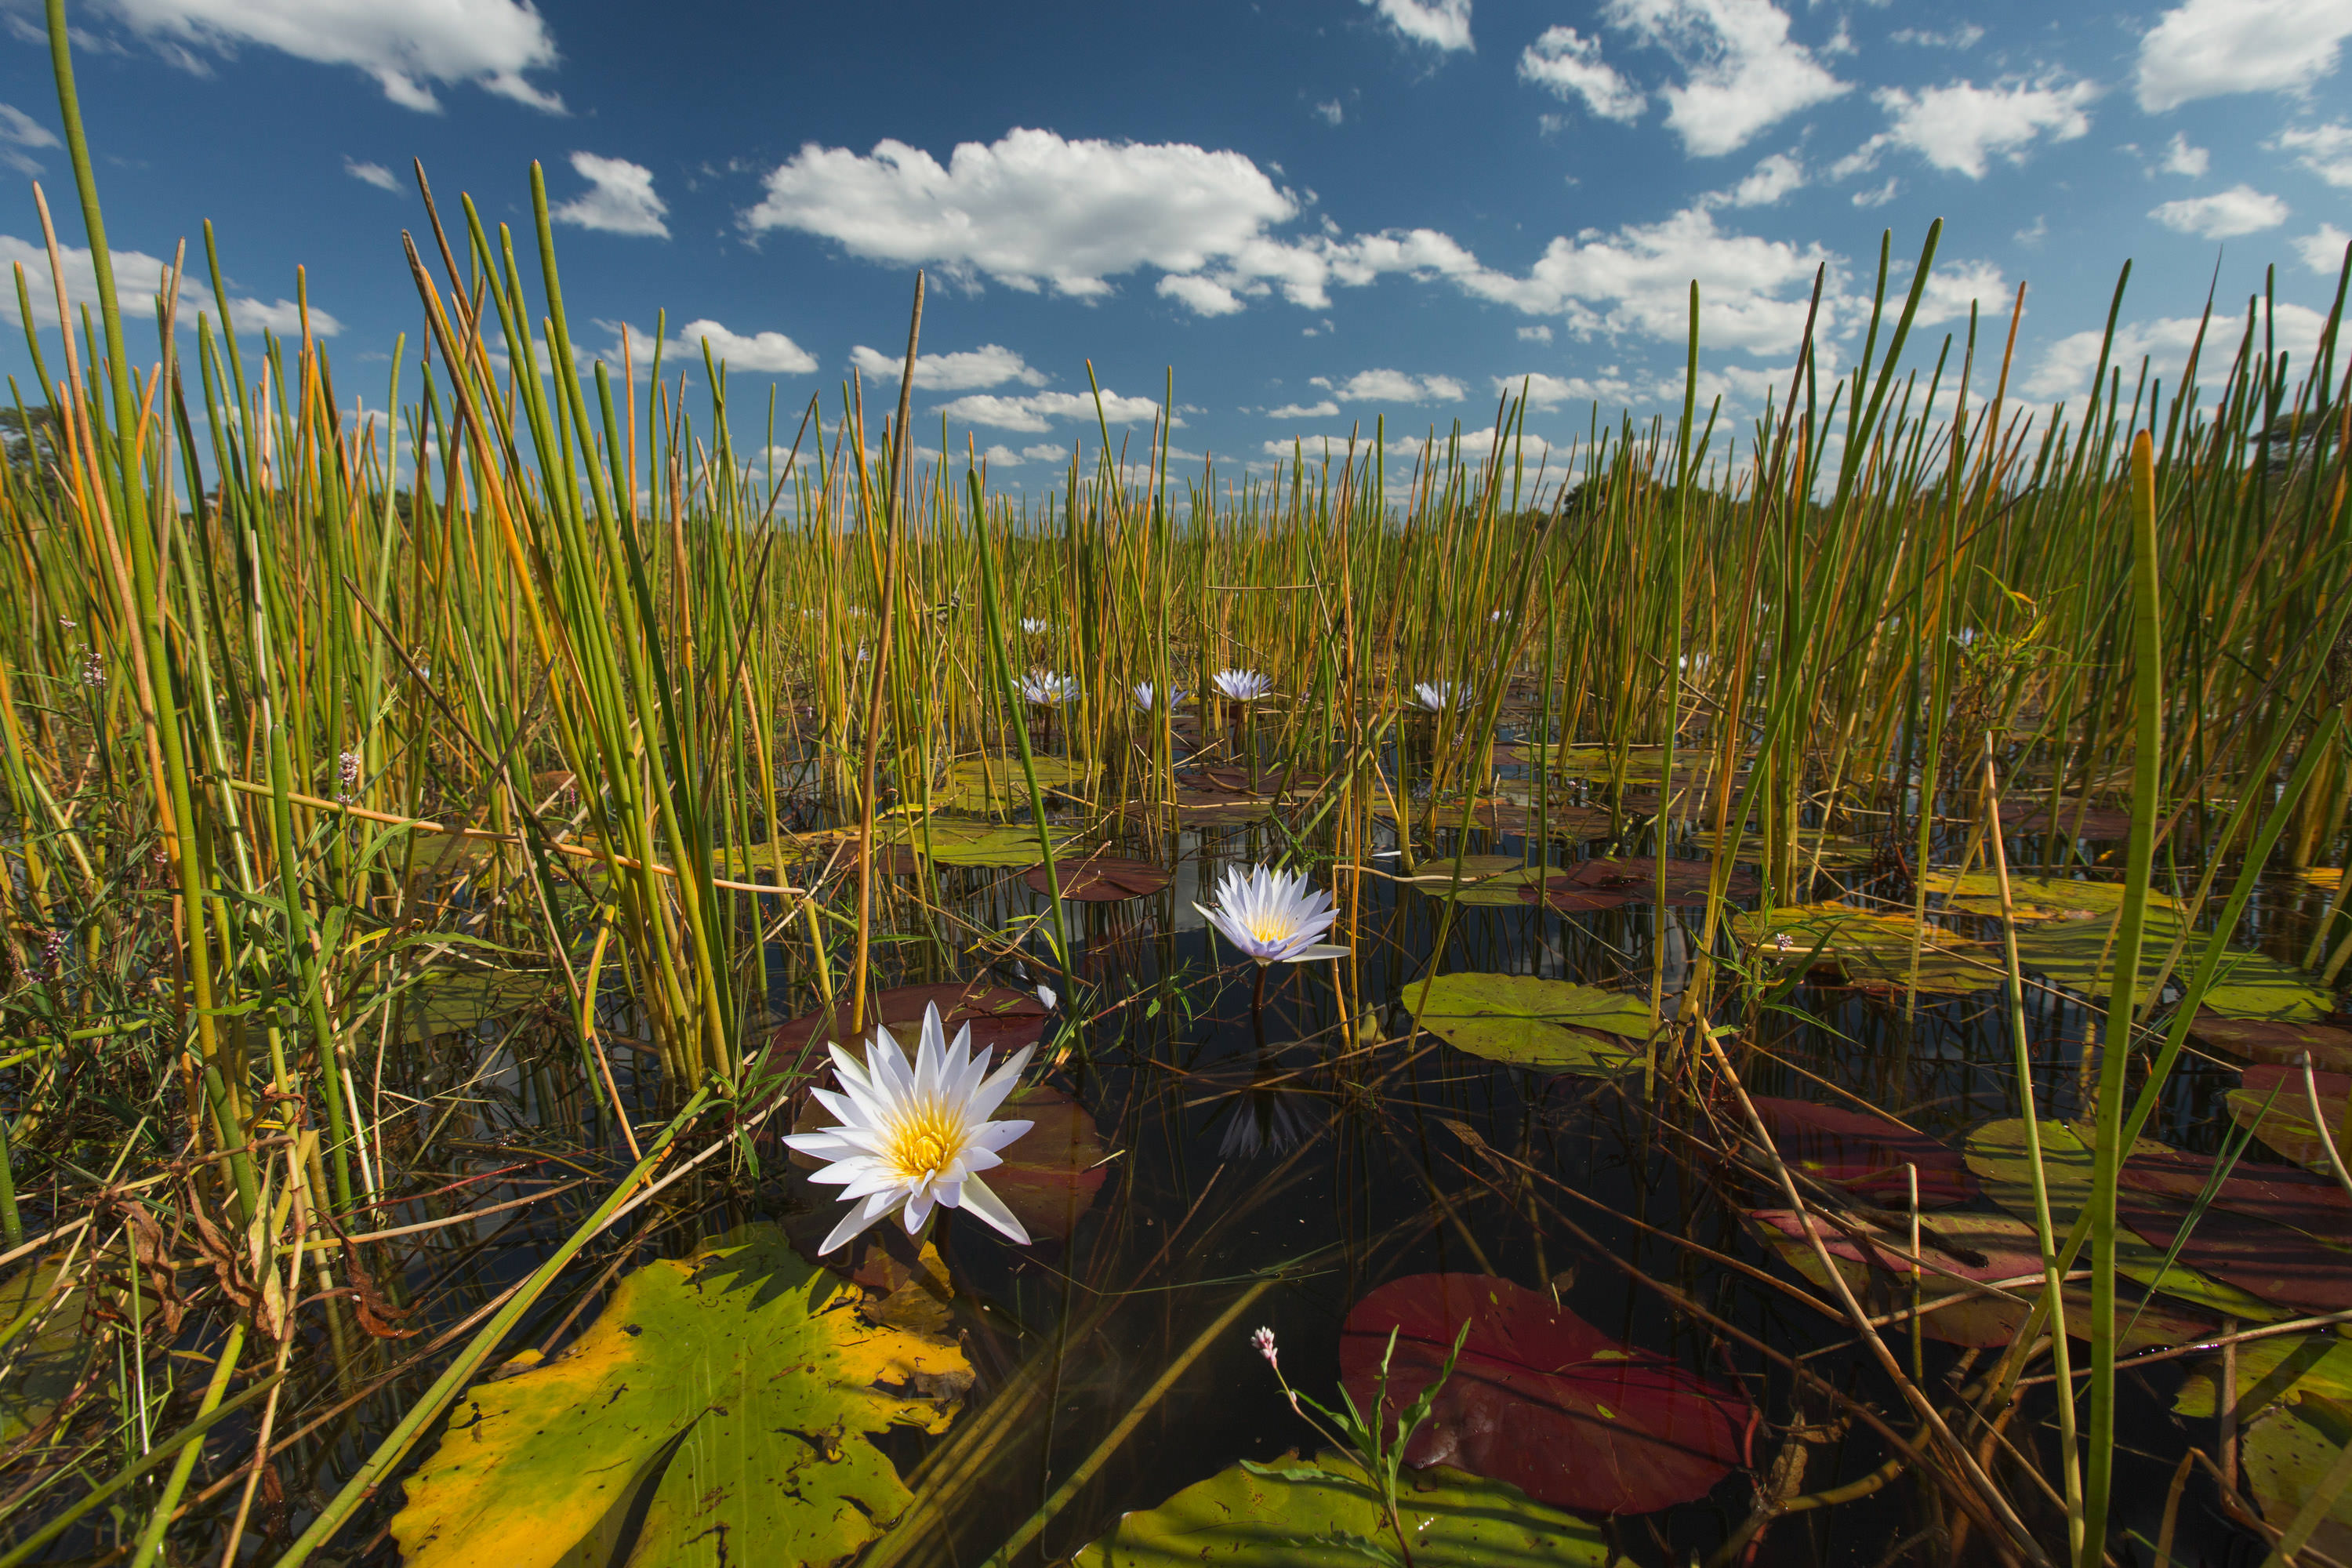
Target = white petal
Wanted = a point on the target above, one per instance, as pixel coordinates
(1309, 954)
(851, 1224)
(994, 1135)
(978, 1200)
(991, 1094)
(918, 1210)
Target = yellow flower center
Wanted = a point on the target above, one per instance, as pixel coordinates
(924, 1142)
(1268, 930)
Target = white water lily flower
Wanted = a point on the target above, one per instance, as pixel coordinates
(1035, 628)
(1437, 695)
(1048, 689)
(1243, 684)
(1147, 698)
(1273, 917)
(913, 1137)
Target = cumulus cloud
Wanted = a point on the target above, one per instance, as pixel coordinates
(1960, 127)
(2208, 47)
(1743, 72)
(1570, 64)
(139, 277)
(2066, 365)
(1538, 334)
(2180, 158)
(1030, 210)
(376, 174)
(1443, 24)
(1967, 36)
(2325, 149)
(407, 46)
(1390, 386)
(1331, 112)
(1550, 391)
(990, 364)
(1322, 410)
(1770, 180)
(2323, 251)
(19, 131)
(619, 198)
(1035, 411)
(770, 353)
(2240, 209)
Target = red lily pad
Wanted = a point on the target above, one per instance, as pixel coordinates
(2275, 1262)
(1542, 1399)
(2282, 1194)
(1602, 884)
(2276, 1040)
(1051, 1173)
(1865, 1153)
(1001, 1018)
(1101, 879)
(2031, 815)
(2286, 1125)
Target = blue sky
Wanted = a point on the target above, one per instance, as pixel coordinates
(1319, 214)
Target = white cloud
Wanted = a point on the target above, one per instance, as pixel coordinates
(1570, 64)
(1744, 72)
(619, 199)
(1967, 36)
(1878, 196)
(772, 352)
(1960, 126)
(2323, 251)
(2067, 364)
(2325, 149)
(1552, 391)
(1323, 410)
(1954, 285)
(1535, 334)
(376, 174)
(990, 364)
(407, 46)
(1773, 178)
(19, 130)
(1475, 445)
(2208, 47)
(1204, 295)
(1332, 112)
(1030, 209)
(1441, 24)
(1390, 386)
(1752, 292)
(138, 277)
(1033, 410)
(1046, 452)
(2240, 209)
(2180, 158)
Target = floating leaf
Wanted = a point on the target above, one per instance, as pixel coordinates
(1101, 879)
(1542, 1399)
(43, 1366)
(2275, 1040)
(1528, 1022)
(2076, 818)
(1000, 1018)
(2274, 1261)
(724, 1398)
(1602, 884)
(1495, 890)
(1303, 1514)
(953, 842)
(1051, 1173)
(450, 1001)
(996, 784)
(1865, 1153)
(2285, 1125)
(2079, 956)
(2285, 1454)
(1963, 1248)
(1813, 846)
(1438, 875)
(1996, 1153)
(2281, 1194)
(2284, 1367)
(2036, 899)
(1873, 951)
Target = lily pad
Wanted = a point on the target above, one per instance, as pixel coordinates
(2284, 1367)
(1001, 1018)
(723, 1399)
(952, 842)
(2036, 899)
(2079, 954)
(1875, 952)
(2285, 1125)
(2286, 1453)
(1101, 879)
(996, 783)
(1865, 1153)
(47, 1363)
(1602, 884)
(1529, 1022)
(1996, 1153)
(1303, 1514)
(2276, 1262)
(451, 1001)
(2313, 1204)
(1051, 1173)
(1963, 1248)
(2275, 1040)
(1542, 1399)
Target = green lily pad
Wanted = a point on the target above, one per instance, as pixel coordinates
(952, 842)
(1497, 888)
(47, 1363)
(2285, 1454)
(1996, 1152)
(997, 783)
(716, 1411)
(2274, 1103)
(1873, 951)
(1315, 1514)
(2036, 899)
(1527, 1022)
(2285, 1367)
(451, 1001)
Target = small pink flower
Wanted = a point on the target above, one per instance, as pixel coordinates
(1263, 1341)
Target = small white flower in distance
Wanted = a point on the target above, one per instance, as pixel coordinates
(1437, 695)
(1243, 684)
(1035, 628)
(912, 1137)
(1048, 689)
(1147, 698)
(1273, 917)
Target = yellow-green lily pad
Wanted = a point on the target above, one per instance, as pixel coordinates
(1530, 1022)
